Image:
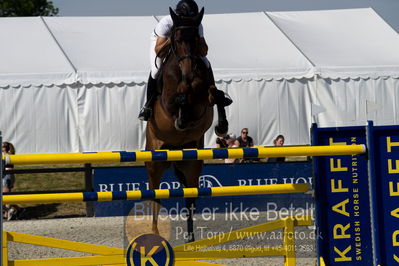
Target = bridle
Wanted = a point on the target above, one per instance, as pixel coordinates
(174, 48)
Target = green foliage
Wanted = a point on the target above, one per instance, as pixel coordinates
(26, 8)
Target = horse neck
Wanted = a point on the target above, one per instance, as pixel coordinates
(172, 77)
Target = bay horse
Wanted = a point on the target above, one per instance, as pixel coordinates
(183, 111)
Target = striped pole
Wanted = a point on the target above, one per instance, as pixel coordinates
(155, 194)
(181, 155)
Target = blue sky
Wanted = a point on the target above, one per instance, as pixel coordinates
(387, 9)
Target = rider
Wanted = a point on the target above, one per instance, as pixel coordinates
(160, 40)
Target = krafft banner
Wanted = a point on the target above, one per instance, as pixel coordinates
(213, 175)
(342, 200)
(383, 147)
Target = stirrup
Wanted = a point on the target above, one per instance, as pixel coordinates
(145, 113)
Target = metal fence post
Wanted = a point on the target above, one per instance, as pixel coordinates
(89, 188)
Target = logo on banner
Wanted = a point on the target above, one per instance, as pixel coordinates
(150, 248)
(206, 181)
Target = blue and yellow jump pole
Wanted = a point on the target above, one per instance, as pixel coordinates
(181, 155)
(155, 194)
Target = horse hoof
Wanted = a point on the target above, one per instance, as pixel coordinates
(221, 130)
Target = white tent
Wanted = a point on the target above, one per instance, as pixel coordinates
(70, 84)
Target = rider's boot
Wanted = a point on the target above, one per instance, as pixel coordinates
(146, 111)
(219, 96)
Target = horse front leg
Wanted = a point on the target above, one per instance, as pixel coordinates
(189, 171)
(155, 171)
(223, 125)
(190, 205)
(218, 98)
(156, 206)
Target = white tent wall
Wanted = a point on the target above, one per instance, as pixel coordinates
(40, 119)
(264, 73)
(108, 117)
(268, 108)
(350, 102)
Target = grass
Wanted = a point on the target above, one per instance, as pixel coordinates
(53, 181)
(50, 181)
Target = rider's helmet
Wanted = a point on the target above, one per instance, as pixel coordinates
(187, 8)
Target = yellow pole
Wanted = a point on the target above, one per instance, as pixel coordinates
(312, 150)
(158, 194)
(63, 158)
(43, 198)
(166, 155)
(260, 189)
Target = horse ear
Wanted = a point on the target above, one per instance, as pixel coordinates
(173, 16)
(199, 17)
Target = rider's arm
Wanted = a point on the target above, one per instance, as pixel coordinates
(161, 42)
(161, 46)
(162, 31)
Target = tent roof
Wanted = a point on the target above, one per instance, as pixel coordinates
(105, 49)
(343, 43)
(249, 45)
(264, 45)
(29, 54)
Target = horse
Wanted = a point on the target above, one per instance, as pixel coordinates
(183, 111)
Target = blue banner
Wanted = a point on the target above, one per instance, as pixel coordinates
(342, 200)
(213, 175)
(383, 149)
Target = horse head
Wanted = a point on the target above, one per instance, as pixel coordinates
(185, 42)
(190, 82)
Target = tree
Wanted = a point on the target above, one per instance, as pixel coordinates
(26, 8)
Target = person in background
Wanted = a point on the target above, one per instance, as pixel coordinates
(278, 141)
(9, 212)
(244, 140)
(231, 143)
(221, 142)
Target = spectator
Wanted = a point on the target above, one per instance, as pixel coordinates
(278, 141)
(221, 142)
(9, 211)
(244, 140)
(231, 143)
